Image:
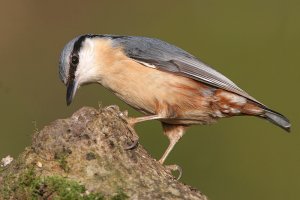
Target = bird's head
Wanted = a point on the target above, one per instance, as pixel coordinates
(78, 64)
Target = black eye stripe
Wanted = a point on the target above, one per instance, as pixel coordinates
(74, 58)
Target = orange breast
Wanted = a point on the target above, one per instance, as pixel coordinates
(151, 91)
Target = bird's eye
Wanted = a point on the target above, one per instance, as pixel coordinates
(75, 60)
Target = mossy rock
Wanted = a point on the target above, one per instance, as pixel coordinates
(28, 183)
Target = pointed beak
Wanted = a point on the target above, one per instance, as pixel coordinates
(71, 91)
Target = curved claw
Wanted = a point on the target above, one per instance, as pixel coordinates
(134, 145)
(175, 168)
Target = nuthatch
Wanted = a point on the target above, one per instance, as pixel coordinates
(160, 80)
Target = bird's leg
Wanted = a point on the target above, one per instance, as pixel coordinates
(174, 133)
(132, 121)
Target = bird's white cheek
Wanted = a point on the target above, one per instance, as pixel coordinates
(87, 73)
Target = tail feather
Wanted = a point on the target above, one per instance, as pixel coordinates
(277, 119)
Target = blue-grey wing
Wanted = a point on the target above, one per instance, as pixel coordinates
(167, 57)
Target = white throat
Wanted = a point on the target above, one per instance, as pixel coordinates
(87, 68)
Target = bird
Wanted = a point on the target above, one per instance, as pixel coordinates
(161, 80)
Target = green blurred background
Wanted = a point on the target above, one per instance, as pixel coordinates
(255, 43)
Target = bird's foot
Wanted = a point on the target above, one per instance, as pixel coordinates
(133, 145)
(124, 116)
(135, 141)
(174, 168)
(113, 107)
(130, 122)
